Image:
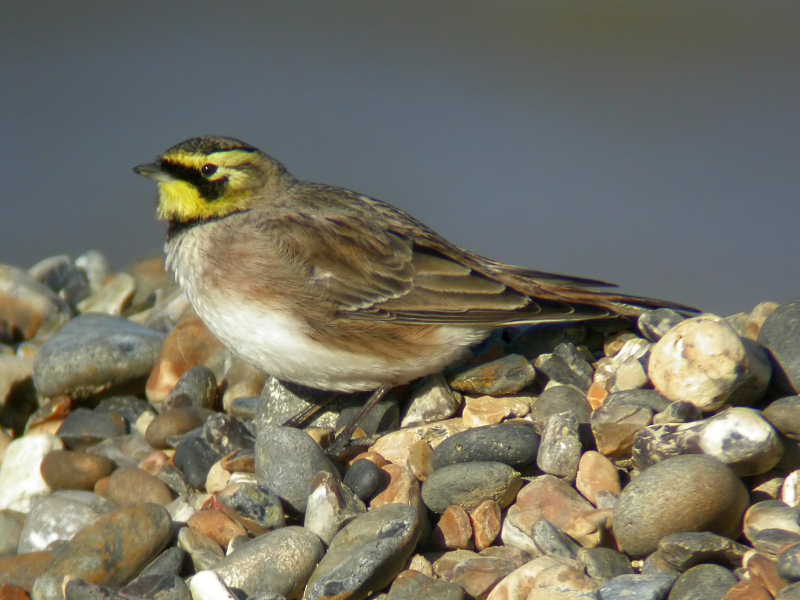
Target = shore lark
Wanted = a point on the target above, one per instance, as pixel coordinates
(332, 289)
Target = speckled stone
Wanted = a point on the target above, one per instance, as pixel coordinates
(94, 353)
(431, 400)
(366, 555)
(560, 448)
(684, 493)
(515, 444)
(566, 365)
(506, 375)
(469, 484)
(330, 506)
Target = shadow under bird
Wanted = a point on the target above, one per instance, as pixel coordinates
(331, 289)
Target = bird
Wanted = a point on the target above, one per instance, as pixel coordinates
(332, 289)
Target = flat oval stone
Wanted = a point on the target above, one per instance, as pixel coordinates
(287, 460)
(366, 479)
(366, 555)
(110, 551)
(67, 470)
(131, 485)
(683, 493)
(469, 484)
(514, 444)
(173, 422)
(94, 353)
(83, 428)
(278, 562)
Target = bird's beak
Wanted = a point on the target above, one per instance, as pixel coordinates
(151, 171)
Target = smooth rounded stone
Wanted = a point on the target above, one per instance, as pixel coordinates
(199, 385)
(412, 585)
(557, 399)
(603, 564)
(469, 484)
(110, 551)
(203, 552)
(678, 412)
(784, 415)
(287, 460)
(770, 514)
(431, 400)
(187, 345)
(67, 470)
(94, 353)
(645, 398)
(789, 562)
(597, 475)
(20, 474)
(278, 562)
(128, 407)
(453, 530)
(739, 437)
(11, 523)
(546, 497)
(780, 335)
(255, 506)
(330, 507)
(157, 587)
(169, 562)
(551, 541)
(60, 275)
(112, 298)
(216, 525)
(173, 422)
(84, 427)
(282, 400)
(194, 456)
(207, 585)
(560, 447)
(500, 377)
(27, 307)
(655, 324)
(703, 582)
(514, 444)
(59, 516)
(366, 479)
(131, 485)
(686, 549)
(615, 427)
(367, 554)
(566, 365)
(637, 587)
(703, 361)
(683, 493)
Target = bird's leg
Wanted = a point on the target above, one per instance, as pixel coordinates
(343, 438)
(304, 416)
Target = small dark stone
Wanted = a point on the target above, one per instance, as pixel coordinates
(384, 416)
(678, 412)
(245, 408)
(469, 484)
(566, 365)
(198, 384)
(170, 562)
(195, 457)
(550, 540)
(603, 564)
(226, 434)
(365, 479)
(557, 399)
(645, 398)
(129, 408)
(703, 582)
(684, 550)
(514, 444)
(85, 427)
(173, 422)
(257, 508)
(654, 324)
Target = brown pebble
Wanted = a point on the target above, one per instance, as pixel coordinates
(420, 459)
(486, 523)
(23, 569)
(403, 488)
(748, 589)
(131, 485)
(13, 592)
(596, 474)
(373, 457)
(216, 525)
(454, 530)
(765, 571)
(175, 421)
(68, 470)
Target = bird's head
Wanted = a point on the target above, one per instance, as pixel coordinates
(211, 177)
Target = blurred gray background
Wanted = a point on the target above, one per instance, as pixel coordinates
(650, 144)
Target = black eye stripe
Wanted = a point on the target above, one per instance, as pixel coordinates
(209, 190)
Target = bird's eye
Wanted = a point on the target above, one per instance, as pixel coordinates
(208, 169)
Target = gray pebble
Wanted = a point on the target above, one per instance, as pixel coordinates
(366, 479)
(703, 582)
(686, 549)
(603, 564)
(780, 335)
(469, 484)
(514, 444)
(506, 375)
(560, 398)
(789, 563)
(551, 541)
(287, 460)
(258, 508)
(784, 414)
(367, 554)
(653, 324)
(194, 456)
(645, 398)
(157, 587)
(431, 400)
(169, 562)
(384, 416)
(560, 448)
(84, 427)
(278, 562)
(204, 552)
(566, 366)
(94, 353)
(637, 587)
(198, 385)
